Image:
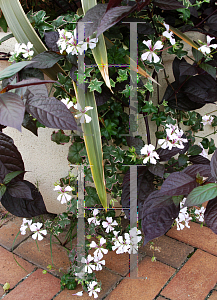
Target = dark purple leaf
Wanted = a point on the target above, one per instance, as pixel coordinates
(203, 170)
(158, 200)
(92, 19)
(209, 69)
(10, 158)
(144, 187)
(22, 207)
(28, 82)
(111, 17)
(113, 3)
(51, 39)
(166, 154)
(199, 159)
(210, 179)
(30, 123)
(142, 28)
(20, 189)
(178, 183)
(176, 70)
(213, 165)
(210, 215)
(187, 69)
(157, 170)
(156, 221)
(51, 112)
(196, 94)
(168, 4)
(12, 110)
(45, 60)
(72, 73)
(212, 22)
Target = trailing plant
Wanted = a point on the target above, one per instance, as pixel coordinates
(171, 178)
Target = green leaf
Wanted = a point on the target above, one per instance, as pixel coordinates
(11, 175)
(149, 108)
(209, 69)
(112, 83)
(212, 146)
(123, 75)
(159, 118)
(201, 194)
(74, 155)
(149, 86)
(95, 85)
(63, 220)
(182, 160)
(110, 181)
(194, 150)
(3, 23)
(13, 69)
(60, 137)
(118, 154)
(7, 37)
(177, 199)
(2, 190)
(197, 54)
(91, 199)
(184, 37)
(110, 129)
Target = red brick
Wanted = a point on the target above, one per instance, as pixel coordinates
(1, 291)
(155, 275)
(195, 279)
(202, 238)
(213, 296)
(10, 271)
(37, 286)
(42, 258)
(9, 231)
(107, 279)
(117, 262)
(172, 252)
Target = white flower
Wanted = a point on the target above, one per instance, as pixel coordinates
(149, 55)
(93, 289)
(63, 197)
(99, 248)
(26, 52)
(120, 245)
(183, 217)
(151, 155)
(78, 294)
(68, 42)
(200, 213)
(205, 49)
(173, 138)
(108, 224)
(35, 227)
(26, 223)
(207, 120)
(203, 153)
(67, 102)
(94, 218)
(23, 49)
(98, 261)
(83, 113)
(92, 43)
(89, 267)
(169, 35)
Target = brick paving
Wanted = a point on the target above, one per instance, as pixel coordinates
(185, 268)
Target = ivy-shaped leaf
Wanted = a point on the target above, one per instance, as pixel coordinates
(95, 85)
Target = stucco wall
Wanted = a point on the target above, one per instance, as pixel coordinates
(46, 161)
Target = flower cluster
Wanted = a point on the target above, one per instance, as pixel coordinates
(173, 138)
(34, 227)
(207, 119)
(21, 51)
(129, 244)
(63, 193)
(68, 42)
(183, 218)
(199, 213)
(150, 154)
(122, 245)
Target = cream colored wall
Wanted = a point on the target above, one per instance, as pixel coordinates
(46, 161)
